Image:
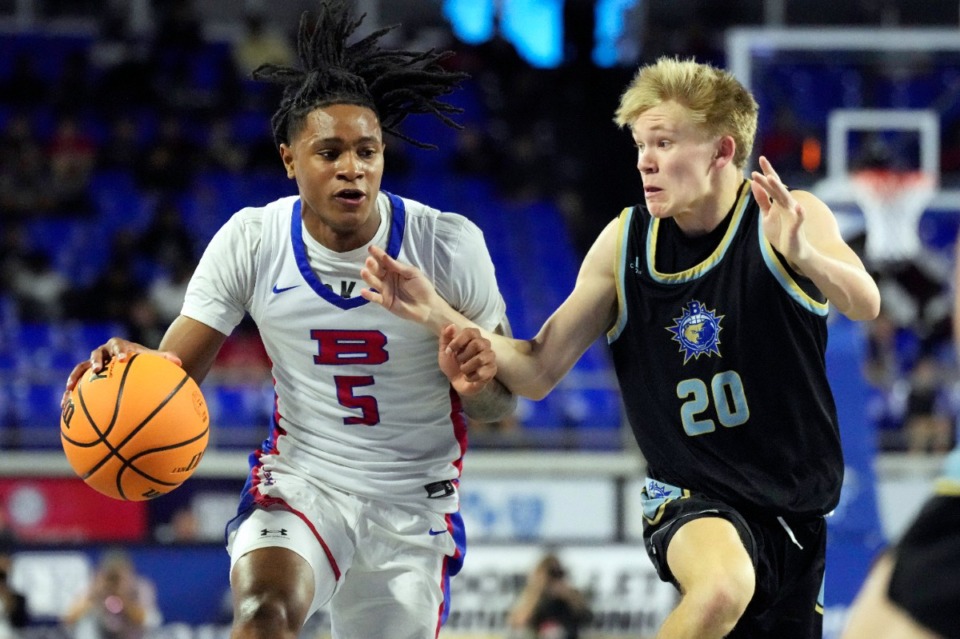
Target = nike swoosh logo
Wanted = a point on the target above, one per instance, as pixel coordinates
(434, 533)
(281, 290)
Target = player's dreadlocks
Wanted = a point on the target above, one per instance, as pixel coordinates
(394, 84)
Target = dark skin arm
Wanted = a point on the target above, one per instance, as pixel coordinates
(188, 343)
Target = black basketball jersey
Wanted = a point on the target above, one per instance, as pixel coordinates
(721, 361)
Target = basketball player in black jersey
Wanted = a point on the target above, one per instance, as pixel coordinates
(914, 587)
(714, 294)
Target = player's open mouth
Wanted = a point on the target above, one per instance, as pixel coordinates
(350, 196)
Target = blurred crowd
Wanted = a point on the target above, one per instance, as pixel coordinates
(104, 151)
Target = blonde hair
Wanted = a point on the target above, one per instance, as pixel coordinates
(714, 98)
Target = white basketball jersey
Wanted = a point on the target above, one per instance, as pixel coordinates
(361, 403)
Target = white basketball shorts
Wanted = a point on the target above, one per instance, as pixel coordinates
(383, 569)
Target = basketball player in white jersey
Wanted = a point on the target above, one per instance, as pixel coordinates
(352, 499)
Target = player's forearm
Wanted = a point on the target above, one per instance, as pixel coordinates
(848, 287)
(521, 365)
(493, 403)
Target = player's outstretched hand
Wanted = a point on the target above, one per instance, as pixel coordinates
(782, 215)
(467, 359)
(402, 289)
(115, 347)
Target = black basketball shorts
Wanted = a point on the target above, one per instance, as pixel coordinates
(926, 575)
(788, 557)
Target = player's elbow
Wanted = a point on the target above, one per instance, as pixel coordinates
(539, 387)
(865, 315)
(865, 309)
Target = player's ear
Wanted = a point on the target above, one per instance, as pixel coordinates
(286, 154)
(725, 149)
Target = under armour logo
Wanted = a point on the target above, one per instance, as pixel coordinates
(266, 532)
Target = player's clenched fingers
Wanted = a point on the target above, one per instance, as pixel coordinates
(461, 339)
(474, 347)
(481, 368)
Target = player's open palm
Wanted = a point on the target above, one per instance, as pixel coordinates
(782, 215)
(400, 288)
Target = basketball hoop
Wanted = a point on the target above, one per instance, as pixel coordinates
(892, 202)
(888, 184)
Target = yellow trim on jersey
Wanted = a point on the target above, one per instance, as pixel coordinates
(662, 507)
(780, 273)
(786, 280)
(712, 260)
(619, 266)
(947, 487)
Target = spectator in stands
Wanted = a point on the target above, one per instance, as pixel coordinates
(183, 528)
(549, 606)
(142, 321)
(25, 180)
(14, 250)
(13, 604)
(108, 298)
(8, 536)
(121, 63)
(886, 352)
(223, 151)
(260, 43)
(170, 160)
(734, 512)
(168, 289)
(72, 155)
(353, 497)
(122, 148)
(166, 240)
(120, 603)
(28, 275)
(39, 288)
(927, 422)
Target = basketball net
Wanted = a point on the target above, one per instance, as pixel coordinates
(892, 203)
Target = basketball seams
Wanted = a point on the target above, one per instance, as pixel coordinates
(128, 464)
(115, 451)
(113, 418)
(160, 406)
(178, 428)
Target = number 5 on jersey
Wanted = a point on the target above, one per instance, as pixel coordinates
(346, 348)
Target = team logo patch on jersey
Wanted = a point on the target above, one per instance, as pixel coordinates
(697, 331)
(658, 491)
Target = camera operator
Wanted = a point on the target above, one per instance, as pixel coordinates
(120, 603)
(549, 607)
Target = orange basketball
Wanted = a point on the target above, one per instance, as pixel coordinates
(137, 429)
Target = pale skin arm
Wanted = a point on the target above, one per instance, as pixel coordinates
(533, 367)
(804, 230)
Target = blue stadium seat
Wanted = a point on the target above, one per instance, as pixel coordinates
(239, 414)
(36, 406)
